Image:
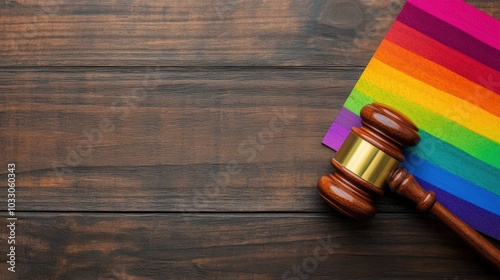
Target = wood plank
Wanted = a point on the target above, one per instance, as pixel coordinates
(178, 134)
(242, 246)
(187, 33)
(183, 145)
(183, 188)
(209, 32)
(173, 117)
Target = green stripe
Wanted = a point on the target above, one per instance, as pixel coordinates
(356, 101)
(440, 153)
(472, 143)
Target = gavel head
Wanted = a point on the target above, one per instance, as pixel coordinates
(367, 159)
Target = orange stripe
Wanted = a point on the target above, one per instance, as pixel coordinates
(438, 77)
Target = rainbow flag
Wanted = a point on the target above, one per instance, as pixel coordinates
(439, 64)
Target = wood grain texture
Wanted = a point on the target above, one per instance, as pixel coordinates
(239, 246)
(183, 140)
(202, 133)
(217, 32)
(196, 33)
(148, 146)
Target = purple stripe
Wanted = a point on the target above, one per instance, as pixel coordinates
(335, 136)
(449, 35)
(476, 217)
(338, 132)
(346, 118)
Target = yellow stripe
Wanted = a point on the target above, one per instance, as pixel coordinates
(440, 102)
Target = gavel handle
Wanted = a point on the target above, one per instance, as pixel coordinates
(405, 184)
(484, 248)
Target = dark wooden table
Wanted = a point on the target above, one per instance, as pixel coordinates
(182, 140)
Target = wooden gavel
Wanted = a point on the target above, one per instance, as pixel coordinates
(369, 159)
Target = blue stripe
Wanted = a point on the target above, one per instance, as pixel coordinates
(458, 162)
(452, 183)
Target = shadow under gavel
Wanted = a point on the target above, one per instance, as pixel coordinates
(369, 159)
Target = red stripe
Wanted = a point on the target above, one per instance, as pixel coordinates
(465, 66)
